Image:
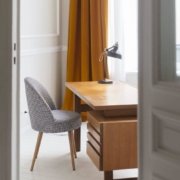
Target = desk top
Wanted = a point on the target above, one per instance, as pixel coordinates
(117, 95)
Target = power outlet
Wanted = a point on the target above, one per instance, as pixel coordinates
(24, 112)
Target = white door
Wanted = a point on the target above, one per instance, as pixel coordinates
(159, 90)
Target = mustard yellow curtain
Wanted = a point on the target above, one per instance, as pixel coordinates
(88, 21)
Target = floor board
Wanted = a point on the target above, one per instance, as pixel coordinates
(54, 160)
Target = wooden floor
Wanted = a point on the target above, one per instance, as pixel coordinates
(54, 160)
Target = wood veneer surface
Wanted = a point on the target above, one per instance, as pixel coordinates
(119, 140)
(117, 95)
(119, 145)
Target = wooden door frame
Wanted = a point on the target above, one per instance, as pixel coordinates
(144, 65)
(9, 125)
(9, 89)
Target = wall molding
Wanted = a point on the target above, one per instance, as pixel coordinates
(45, 50)
(39, 35)
(57, 33)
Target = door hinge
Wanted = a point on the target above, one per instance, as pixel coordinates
(14, 60)
(14, 46)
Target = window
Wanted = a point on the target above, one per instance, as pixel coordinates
(123, 23)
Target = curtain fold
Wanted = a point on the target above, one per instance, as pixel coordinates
(87, 38)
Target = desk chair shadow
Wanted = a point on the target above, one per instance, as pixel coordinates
(46, 118)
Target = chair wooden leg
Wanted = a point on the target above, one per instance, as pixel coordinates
(70, 135)
(74, 146)
(40, 138)
(36, 149)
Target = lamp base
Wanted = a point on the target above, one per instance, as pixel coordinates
(105, 81)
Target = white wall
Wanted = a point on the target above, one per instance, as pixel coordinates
(44, 32)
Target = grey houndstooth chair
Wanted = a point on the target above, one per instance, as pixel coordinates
(46, 118)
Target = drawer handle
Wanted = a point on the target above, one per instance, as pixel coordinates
(90, 127)
(94, 148)
(94, 139)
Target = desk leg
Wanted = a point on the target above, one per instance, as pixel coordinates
(108, 175)
(77, 132)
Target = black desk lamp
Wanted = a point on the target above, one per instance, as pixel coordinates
(111, 52)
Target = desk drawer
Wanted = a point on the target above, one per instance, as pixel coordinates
(97, 146)
(94, 156)
(94, 133)
(93, 121)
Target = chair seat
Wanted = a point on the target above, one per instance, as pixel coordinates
(66, 120)
(61, 116)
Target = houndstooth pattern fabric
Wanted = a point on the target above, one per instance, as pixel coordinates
(43, 113)
(41, 91)
(68, 120)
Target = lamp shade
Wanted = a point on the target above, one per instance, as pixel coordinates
(114, 54)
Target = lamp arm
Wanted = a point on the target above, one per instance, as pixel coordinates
(107, 49)
(115, 45)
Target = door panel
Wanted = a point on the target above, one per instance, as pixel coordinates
(159, 91)
(166, 135)
(166, 25)
(167, 39)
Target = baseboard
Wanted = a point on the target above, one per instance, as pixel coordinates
(132, 78)
(25, 129)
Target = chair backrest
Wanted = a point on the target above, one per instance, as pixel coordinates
(40, 104)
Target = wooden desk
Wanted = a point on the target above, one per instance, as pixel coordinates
(112, 142)
(113, 100)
